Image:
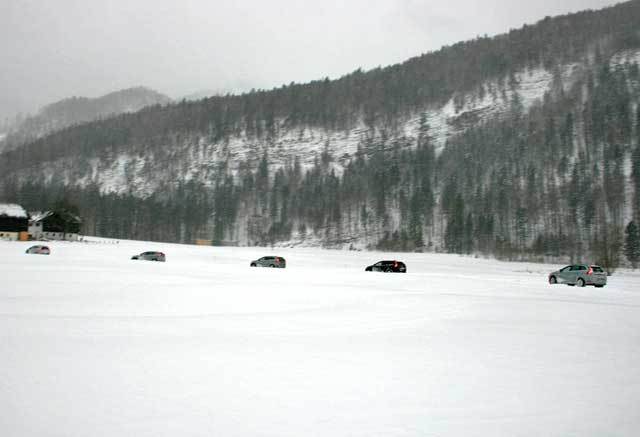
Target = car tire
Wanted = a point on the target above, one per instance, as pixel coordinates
(580, 282)
(273, 266)
(553, 280)
(252, 265)
(599, 286)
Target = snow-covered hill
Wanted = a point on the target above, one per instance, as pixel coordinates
(198, 158)
(93, 343)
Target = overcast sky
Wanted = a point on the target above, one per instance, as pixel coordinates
(52, 49)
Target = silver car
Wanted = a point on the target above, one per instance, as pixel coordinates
(580, 275)
(40, 250)
(150, 256)
(270, 261)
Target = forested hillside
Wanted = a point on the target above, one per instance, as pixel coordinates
(521, 145)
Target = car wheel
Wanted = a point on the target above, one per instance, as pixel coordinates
(553, 280)
(252, 265)
(580, 282)
(599, 286)
(272, 265)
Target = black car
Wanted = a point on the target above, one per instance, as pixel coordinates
(387, 267)
(270, 261)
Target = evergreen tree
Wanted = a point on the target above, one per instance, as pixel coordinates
(632, 244)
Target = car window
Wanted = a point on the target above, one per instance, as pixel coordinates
(575, 268)
(597, 269)
(378, 264)
(582, 267)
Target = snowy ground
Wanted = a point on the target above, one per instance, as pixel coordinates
(94, 344)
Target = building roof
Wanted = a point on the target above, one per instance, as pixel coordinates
(12, 210)
(39, 216)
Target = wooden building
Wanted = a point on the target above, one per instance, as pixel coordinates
(54, 225)
(14, 222)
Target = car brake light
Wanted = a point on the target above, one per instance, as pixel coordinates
(590, 272)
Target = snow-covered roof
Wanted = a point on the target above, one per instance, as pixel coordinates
(37, 216)
(12, 210)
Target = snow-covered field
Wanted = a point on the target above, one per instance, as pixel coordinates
(94, 344)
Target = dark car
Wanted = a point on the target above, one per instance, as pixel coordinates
(150, 256)
(39, 250)
(580, 275)
(270, 261)
(387, 267)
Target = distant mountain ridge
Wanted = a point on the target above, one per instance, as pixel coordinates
(75, 110)
(524, 144)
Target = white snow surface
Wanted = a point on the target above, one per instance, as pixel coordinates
(12, 210)
(93, 343)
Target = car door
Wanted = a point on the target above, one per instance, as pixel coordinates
(573, 274)
(582, 271)
(564, 275)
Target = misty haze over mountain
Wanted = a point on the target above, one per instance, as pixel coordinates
(55, 50)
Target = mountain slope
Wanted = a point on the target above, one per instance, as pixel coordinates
(75, 110)
(525, 144)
